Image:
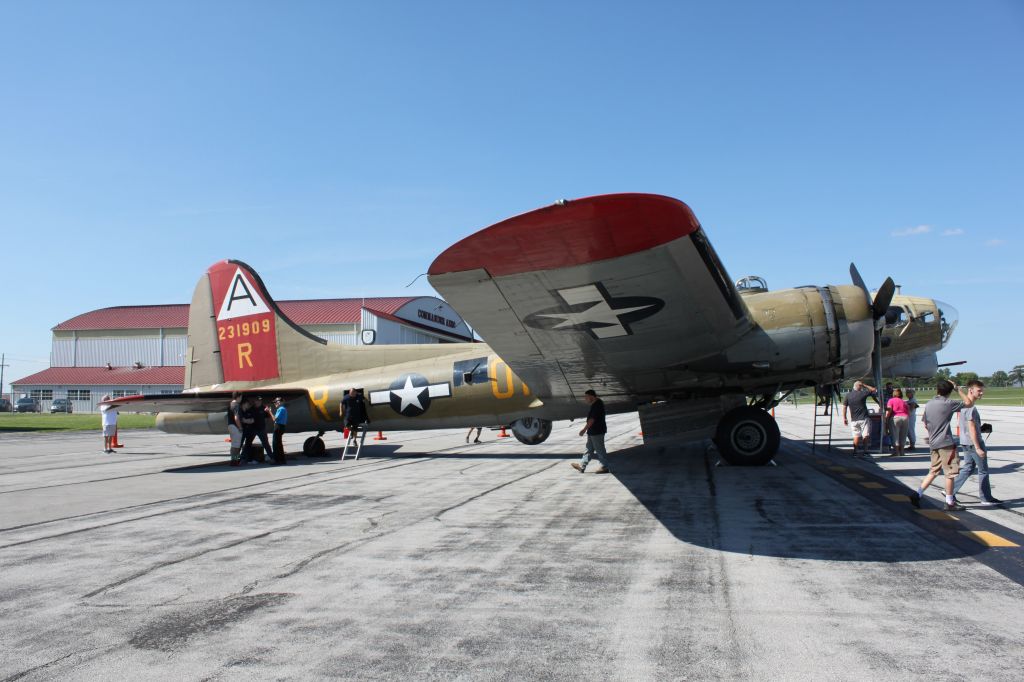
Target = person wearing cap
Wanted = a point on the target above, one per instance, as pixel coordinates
(595, 430)
(280, 426)
(108, 418)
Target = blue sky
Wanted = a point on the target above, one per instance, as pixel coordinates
(338, 147)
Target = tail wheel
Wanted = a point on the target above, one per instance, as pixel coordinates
(531, 430)
(747, 436)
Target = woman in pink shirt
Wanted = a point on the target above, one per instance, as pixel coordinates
(897, 410)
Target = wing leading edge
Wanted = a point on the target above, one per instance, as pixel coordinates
(616, 292)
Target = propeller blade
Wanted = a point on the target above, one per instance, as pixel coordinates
(883, 298)
(859, 282)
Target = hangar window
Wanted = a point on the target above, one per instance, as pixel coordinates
(120, 394)
(41, 393)
(78, 394)
(475, 370)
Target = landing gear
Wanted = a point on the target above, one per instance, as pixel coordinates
(531, 430)
(747, 436)
(314, 446)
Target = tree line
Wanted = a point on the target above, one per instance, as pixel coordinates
(998, 379)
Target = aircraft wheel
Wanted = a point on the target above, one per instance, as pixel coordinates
(747, 436)
(531, 430)
(313, 447)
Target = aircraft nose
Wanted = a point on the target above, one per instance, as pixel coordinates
(948, 319)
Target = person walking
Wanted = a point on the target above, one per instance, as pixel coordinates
(937, 413)
(478, 430)
(897, 414)
(280, 426)
(595, 430)
(855, 403)
(975, 454)
(108, 420)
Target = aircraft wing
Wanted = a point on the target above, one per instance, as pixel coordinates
(190, 402)
(616, 293)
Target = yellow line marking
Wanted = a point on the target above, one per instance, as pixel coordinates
(936, 515)
(873, 486)
(853, 476)
(988, 539)
(838, 468)
(898, 498)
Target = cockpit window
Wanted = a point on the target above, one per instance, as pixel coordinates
(895, 316)
(948, 319)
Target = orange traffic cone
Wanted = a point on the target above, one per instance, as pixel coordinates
(115, 444)
(503, 434)
(380, 436)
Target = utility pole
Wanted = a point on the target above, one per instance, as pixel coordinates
(3, 357)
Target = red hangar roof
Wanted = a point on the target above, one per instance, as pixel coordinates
(317, 311)
(101, 376)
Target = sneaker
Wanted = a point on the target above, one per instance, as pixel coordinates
(990, 502)
(477, 440)
(577, 466)
(956, 506)
(602, 470)
(915, 499)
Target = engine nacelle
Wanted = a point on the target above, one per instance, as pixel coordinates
(531, 430)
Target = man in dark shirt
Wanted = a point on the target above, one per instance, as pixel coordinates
(855, 403)
(595, 430)
(254, 425)
(353, 409)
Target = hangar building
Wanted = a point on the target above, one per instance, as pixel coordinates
(128, 350)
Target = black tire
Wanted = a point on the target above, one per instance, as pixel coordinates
(307, 446)
(531, 430)
(747, 436)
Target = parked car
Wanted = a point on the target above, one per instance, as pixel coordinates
(27, 405)
(61, 405)
(5, 405)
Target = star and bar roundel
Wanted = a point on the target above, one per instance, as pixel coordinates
(590, 308)
(410, 394)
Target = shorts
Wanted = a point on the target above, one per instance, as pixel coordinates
(859, 428)
(946, 460)
(109, 430)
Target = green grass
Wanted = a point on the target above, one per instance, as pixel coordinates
(69, 422)
(1003, 396)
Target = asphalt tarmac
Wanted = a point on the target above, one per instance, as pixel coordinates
(429, 558)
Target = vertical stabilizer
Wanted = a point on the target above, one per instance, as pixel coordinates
(236, 331)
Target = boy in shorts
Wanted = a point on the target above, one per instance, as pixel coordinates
(945, 459)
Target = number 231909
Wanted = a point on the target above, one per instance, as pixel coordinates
(243, 329)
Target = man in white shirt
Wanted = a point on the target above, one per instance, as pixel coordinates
(108, 418)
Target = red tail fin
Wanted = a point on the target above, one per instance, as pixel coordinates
(246, 323)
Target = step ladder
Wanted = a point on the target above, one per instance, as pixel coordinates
(358, 436)
(824, 406)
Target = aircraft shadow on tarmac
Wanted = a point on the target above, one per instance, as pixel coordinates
(787, 511)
